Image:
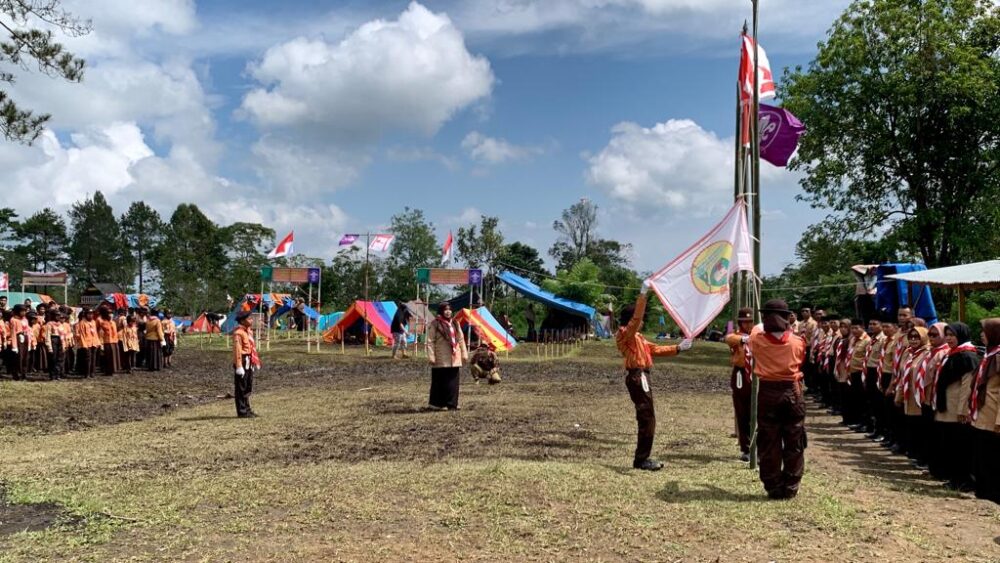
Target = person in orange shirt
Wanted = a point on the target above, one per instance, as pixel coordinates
(169, 337)
(87, 343)
(739, 381)
(107, 330)
(130, 343)
(777, 357)
(246, 362)
(53, 340)
(638, 354)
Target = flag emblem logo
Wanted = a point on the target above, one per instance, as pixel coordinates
(710, 268)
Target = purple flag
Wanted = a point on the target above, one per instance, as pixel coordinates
(779, 134)
(349, 240)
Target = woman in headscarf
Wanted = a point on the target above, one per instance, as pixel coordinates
(935, 359)
(984, 411)
(914, 363)
(446, 351)
(950, 401)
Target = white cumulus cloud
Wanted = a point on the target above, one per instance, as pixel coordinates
(491, 150)
(412, 73)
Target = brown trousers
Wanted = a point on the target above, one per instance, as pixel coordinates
(741, 406)
(645, 414)
(781, 437)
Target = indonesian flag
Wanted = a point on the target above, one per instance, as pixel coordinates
(694, 287)
(284, 247)
(765, 77)
(5, 281)
(446, 251)
(380, 243)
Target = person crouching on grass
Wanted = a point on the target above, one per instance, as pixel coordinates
(777, 357)
(246, 362)
(638, 355)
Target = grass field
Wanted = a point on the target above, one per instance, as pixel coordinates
(344, 465)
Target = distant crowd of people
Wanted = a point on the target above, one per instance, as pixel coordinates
(57, 341)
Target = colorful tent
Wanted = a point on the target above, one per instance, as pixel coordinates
(487, 328)
(378, 313)
(204, 325)
(326, 321)
(130, 300)
(17, 297)
(531, 291)
(251, 302)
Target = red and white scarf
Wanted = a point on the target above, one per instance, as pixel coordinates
(966, 347)
(974, 402)
(929, 381)
(254, 358)
(445, 324)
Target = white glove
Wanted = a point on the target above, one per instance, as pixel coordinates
(645, 287)
(240, 372)
(13, 349)
(685, 345)
(744, 339)
(163, 343)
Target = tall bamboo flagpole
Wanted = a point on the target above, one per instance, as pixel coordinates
(364, 307)
(755, 198)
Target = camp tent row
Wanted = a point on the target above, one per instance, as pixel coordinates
(379, 315)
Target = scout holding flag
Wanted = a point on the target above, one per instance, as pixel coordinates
(246, 362)
(739, 381)
(777, 357)
(638, 354)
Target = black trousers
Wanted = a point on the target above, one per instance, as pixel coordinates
(639, 390)
(739, 383)
(444, 388)
(154, 355)
(986, 464)
(110, 359)
(950, 457)
(23, 360)
(243, 386)
(781, 437)
(70, 363)
(57, 361)
(855, 401)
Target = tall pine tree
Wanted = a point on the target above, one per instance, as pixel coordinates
(97, 251)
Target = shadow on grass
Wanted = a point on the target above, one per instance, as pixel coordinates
(869, 458)
(700, 492)
(206, 418)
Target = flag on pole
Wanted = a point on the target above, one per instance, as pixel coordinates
(765, 77)
(380, 243)
(4, 281)
(284, 247)
(348, 240)
(694, 287)
(779, 134)
(446, 251)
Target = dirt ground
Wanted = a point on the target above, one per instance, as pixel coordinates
(346, 465)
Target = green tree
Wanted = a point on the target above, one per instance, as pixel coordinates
(480, 247)
(10, 261)
(246, 246)
(192, 261)
(25, 45)
(576, 229)
(902, 105)
(524, 261)
(414, 247)
(581, 284)
(97, 250)
(142, 231)
(43, 241)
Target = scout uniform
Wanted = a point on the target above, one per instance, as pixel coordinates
(5, 342)
(984, 411)
(855, 411)
(53, 335)
(88, 343)
(777, 357)
(69, 342)
(950, 401)
(638, 354)
(245, 363)
(807, 330)
(739, 380)
(130, 343)
(39, 355)
(20, 338)
(873, 383)
(170, 339)
(485, 365)
(914, 366)
(155, 341)
(108, 332)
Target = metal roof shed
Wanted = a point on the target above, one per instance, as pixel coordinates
(978, 275)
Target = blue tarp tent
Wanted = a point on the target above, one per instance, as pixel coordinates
(892, 294)
(531, 291)
(326, 321)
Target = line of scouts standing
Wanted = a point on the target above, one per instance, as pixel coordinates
(923, 392)
(49, 340)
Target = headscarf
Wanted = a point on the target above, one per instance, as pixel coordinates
(991, 327)
(914, 372)
(961, 359)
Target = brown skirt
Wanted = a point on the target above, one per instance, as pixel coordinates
(154, 355)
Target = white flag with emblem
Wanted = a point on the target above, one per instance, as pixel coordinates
(694, 287)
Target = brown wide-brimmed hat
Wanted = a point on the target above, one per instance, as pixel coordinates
(744, 314)
(776, 306)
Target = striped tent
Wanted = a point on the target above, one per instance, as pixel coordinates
(487, 328)
(378, 314)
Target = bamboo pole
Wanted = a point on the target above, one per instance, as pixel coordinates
(755, 192)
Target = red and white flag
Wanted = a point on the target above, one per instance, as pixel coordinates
(380, 243)
(4, 281)
(284, 247)
(446, 251)
(694, 287)
(765, 77)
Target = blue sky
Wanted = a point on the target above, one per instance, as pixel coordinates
(329, 117)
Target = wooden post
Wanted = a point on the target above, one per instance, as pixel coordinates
(755, 193)
(961, 304)
(364, 309)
